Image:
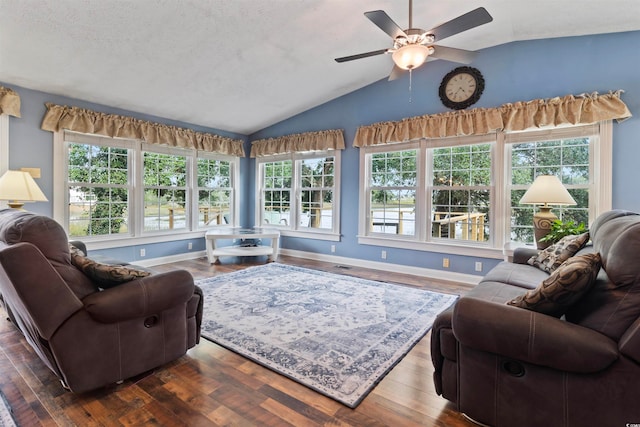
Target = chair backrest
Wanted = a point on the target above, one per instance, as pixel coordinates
(613, 304)
(50, 238)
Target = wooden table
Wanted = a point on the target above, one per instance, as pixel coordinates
(214, 252)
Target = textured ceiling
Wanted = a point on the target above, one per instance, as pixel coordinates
(241, 65)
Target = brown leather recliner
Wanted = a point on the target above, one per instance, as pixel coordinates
(87, 336)
(508, 366)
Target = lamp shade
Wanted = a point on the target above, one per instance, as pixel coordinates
(19, 187)
(410, 56)
(547, 190)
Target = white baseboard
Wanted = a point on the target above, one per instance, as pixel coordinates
(375, 265)
(430, 273)
(169, 259)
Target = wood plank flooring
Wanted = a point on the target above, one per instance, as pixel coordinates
(211, 386)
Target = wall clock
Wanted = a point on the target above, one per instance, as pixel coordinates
(461, 87)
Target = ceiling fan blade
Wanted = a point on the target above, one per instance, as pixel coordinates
(396, 73)
(462, 23)
(454, 55)
(361, 55)
(385, 23)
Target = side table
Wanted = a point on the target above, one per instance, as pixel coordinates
(214, 252)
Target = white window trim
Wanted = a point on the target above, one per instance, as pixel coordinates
(136, 236)
(4, 143)
(307, 233)
(601, 176)
(4, 150)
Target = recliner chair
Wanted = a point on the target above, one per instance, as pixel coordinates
(87, 336)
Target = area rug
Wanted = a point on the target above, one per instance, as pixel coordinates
(336, 334)
(6, 414)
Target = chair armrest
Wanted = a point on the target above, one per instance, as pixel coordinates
(531, 337)
(521, 255)
(141, 297)
(34, 289)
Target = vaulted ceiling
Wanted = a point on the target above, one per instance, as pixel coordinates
(242, 65)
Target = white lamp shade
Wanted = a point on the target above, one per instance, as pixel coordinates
(410, 56)
(547, 190)
(20, 186)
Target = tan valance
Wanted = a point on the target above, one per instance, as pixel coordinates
(60, 117)
(299, 142)
(568, 110)
(9, 102)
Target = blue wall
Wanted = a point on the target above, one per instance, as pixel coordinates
(518, 71)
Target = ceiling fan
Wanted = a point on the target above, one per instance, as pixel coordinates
(412, 46)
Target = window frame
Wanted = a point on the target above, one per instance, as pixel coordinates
(4, 145)
(136, 233)
(294, 229)
(600, 167)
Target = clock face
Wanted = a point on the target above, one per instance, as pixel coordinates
(461, 88)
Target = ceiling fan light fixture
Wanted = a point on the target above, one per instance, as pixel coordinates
(410, 56)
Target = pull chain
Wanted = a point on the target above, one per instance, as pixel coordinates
(410, 75)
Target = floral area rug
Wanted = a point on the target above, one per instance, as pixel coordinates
(335, 334)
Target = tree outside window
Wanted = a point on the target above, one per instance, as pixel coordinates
(461, 192)
(165, 191)
(98, 185)
(568, 159)
(215, 191)
(392, 186)
(299, 191)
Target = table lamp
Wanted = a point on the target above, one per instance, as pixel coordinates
(19, 187)
(546, 190)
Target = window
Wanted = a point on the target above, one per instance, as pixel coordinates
(460, 192)
(317, 189)
(465, 199)
(216, 194)
(447, 199)
(98, 189)
(299, 194)
(392, 192)
(568, 157)
(111, 188)
(276, 192)
(165, 191)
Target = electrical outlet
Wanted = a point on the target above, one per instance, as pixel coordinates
(143, 252)
(383, 255)
(445, 262)
(333, 248)
(478, 266)
(190, 245)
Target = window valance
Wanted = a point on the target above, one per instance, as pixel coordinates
(300, 142)
(9, 102)
(60, 117)
(567, 110)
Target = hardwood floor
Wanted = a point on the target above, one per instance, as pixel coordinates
(212, 386)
